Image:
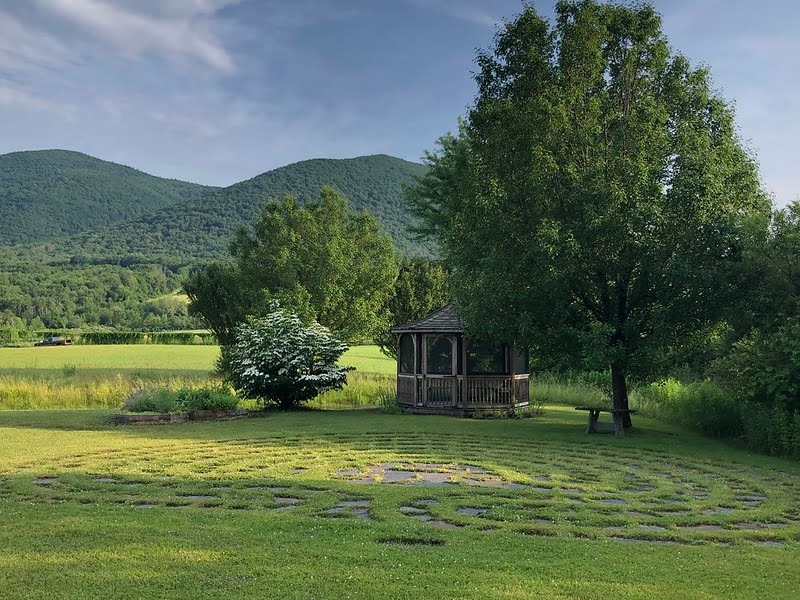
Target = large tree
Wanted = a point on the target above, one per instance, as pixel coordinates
(319, 260)
(420, 288)
(597, 196)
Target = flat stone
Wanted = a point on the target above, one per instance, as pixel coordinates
(427, 478)
(701, 528)
(393, 476)
(720, 510)
(542, 490)
(411, 510)
(105, 479)
(355, 503)
(334, 511)
(514, 486)
(637, 514)
(676, 513)
(422, 517)
(652, 528)
(144, 505)
(277, 488)
(443, 525)
(615, 501)
(627, 540)
(297, 470)
(752, 498)
(542, 521)
(284, 507)
(751, 526)
(572, 491)
(347, 473)
(472, 512)
(287, 500)
(542, 479)
(771, 543)
(362, 513)
(46, 480)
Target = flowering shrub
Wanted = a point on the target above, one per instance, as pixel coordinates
(278, 359)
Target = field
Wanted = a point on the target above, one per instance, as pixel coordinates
(363, 504)
(103, 376)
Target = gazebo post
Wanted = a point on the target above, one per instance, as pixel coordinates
(511, 356)
(464, 385)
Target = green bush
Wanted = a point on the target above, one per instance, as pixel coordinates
(701, 405)
(216, 399)
(278, 359)
(772, 430)
(155, 401)
(164, 400)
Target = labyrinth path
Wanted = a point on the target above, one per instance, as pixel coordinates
(440, 482)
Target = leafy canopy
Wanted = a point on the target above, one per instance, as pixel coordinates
(278, 359)
(320, 260)
(597, 197)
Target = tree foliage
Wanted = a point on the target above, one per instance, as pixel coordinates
(597, 199)
(420, 288)
(319, 260)
(278, 359)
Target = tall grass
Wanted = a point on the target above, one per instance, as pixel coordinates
(571, 389)
(363, 390)
(78, 390)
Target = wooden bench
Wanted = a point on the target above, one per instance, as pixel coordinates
(617, 414)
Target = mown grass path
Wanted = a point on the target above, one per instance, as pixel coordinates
(360, 504)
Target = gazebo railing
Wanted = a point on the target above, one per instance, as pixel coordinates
(447, 391)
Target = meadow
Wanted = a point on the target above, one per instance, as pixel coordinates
(104, 376)
(365, 504)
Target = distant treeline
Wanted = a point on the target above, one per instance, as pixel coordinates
(12, 337)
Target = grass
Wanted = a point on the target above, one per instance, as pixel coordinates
(199, 510)
(104, 376)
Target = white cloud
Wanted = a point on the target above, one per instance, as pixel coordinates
(18, 98)
(471, 12)
(23, 48)
(179, 31)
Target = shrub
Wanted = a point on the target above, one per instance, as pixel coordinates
(701, 405)
(216, 399)
(156, 401)
(278, 359)
(164, 400)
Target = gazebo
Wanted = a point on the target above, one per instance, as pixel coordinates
(440, 372)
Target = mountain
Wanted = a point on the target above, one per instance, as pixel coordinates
(46, 194)
(202, 227)
(121, 273)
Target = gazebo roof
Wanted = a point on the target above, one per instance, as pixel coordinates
(442, 320)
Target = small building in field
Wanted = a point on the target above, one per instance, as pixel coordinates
(439, 371)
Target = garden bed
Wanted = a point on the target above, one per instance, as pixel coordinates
(180, 417)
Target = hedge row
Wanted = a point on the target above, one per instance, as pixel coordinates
(10, 337)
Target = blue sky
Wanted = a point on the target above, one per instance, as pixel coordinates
(217, 91)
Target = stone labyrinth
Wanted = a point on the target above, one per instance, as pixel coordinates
(447, 482)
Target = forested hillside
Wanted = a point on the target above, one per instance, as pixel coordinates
(201, 228)
(118, 275)
(46, 194)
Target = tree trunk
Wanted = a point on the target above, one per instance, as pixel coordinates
(619, 390)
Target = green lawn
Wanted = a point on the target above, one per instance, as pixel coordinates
(273, 508)
(104, 376)
(153, 358)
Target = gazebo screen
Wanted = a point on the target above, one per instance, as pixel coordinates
(406, 353)
(440, 355)
(486, 359)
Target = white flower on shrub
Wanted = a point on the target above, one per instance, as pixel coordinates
(278, 359)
